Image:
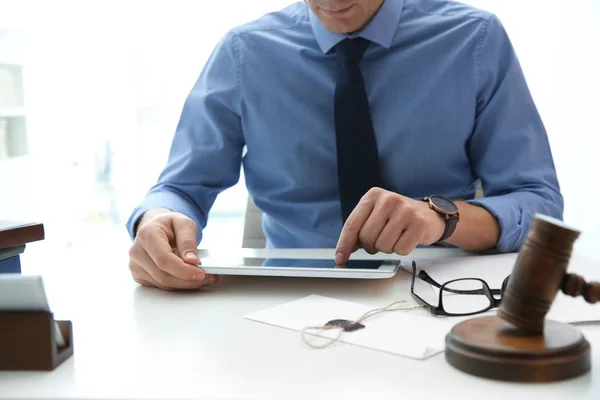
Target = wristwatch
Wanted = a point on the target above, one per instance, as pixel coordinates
(447, 210)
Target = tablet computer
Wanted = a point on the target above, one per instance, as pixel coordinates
(299, 267)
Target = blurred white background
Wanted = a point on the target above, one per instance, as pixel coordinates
(103, 83)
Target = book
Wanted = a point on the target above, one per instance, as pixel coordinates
(10, 265)
(10, 261)
(10, 252)
(13, 238)
(14, 233)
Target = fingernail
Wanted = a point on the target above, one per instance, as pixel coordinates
(339, 257)
(210, 279)
(199, 276)
(190, 254)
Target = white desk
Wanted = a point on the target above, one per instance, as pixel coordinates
(138, 343)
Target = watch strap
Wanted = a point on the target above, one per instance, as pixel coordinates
(451, 222)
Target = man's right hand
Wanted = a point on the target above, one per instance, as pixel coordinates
(164, 253)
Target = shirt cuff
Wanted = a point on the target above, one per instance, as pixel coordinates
(513, 219)
(168, 200)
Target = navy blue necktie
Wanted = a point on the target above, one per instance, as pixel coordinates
(357, 158)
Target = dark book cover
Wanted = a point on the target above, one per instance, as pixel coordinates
(14, 233)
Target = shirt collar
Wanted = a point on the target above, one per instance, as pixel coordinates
(381, 29)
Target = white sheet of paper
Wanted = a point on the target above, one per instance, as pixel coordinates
(396, 332)
(494, 268)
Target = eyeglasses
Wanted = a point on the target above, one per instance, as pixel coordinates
(459, 297)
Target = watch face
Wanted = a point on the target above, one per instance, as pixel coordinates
(447, 206)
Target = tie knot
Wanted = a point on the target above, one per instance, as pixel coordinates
(351, 51)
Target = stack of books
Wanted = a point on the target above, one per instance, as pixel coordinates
(13, 238)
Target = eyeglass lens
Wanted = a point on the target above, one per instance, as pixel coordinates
(465, 296)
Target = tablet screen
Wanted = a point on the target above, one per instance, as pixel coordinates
(293, 262)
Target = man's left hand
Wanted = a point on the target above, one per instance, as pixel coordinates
(388, 222)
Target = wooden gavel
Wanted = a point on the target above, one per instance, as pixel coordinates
(574, 285)
(540, 272)
(520, 344)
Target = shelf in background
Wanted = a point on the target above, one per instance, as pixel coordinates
(12, 112)
(11, 86)
(14, 142)
(13, 137)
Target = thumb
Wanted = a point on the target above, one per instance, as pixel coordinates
(185, 231)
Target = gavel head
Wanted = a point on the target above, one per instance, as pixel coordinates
(538, 273)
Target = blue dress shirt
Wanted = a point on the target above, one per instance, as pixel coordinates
(449, 102)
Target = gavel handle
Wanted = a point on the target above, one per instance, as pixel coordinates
(574, 285)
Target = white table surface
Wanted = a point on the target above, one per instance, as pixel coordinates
(132, 342)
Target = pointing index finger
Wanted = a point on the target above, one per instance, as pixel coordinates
(349, 237)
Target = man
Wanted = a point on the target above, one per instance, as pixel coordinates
(353, 114)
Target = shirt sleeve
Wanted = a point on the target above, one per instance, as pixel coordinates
(206, 152)
(509, 147)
